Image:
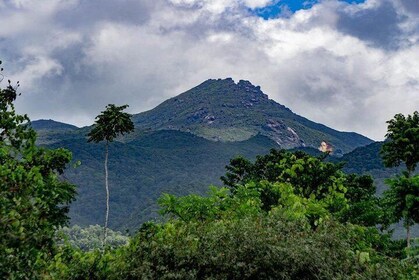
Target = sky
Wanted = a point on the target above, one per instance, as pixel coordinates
(351, 65)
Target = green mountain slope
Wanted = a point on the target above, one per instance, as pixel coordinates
(222, 110)
(141, 170)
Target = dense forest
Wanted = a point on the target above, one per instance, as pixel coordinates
(286, 215)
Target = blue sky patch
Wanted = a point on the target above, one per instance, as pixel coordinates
(286, 7)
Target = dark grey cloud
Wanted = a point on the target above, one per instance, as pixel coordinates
(89, 12)
(411, 6)
(377, 25)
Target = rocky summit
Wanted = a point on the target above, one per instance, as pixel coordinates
(222, 110)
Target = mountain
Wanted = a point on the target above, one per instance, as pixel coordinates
(222, 110)
(142, 169)
(182, 147)
(50, 131)
(40, 125)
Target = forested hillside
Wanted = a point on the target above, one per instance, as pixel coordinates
(141, 170)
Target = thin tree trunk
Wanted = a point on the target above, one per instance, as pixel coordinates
(105, 234)
(408, 236)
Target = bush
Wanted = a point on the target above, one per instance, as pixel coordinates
(264, 247)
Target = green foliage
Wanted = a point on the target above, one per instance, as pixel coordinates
(364, 207)
(256, 230)
(214, 238)
(89, 238)
(251, 199)
(402, 199)
(70, 263)
(111, 123)
(195, 207)
(33, 199)
(229, 236)
(403, 141)
(255, 247)
(351, 197)
(309, 176)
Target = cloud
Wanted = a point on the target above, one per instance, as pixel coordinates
(378, 25)
(90, 12)
(349, 66)
(411, 6)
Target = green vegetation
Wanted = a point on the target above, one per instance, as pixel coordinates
(109, 124)
(287, 215)
(260, 229)
(352, 197)
(33, 199)
(89, 238)
(140, 170)
(402, 199)
(166, 152)
(403, 144)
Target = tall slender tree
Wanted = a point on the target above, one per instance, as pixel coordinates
(110, 124)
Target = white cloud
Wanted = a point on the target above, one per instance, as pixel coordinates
(218, 6)
(74, 57)
(256, 3)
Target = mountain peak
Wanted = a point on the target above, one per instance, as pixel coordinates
(243, 86)
(51, 124)
(223, 110)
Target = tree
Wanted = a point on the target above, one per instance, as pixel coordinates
(89, 238)
(402, 146)
(109, 124)
(403, 142)
(402, 201)
(364, 208)
(309, 175)
(34, 201)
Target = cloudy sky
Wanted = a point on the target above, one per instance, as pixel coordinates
(350, 65)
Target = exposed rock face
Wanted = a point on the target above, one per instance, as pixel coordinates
(282, 134)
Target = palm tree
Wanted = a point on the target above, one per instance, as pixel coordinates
(109, 124)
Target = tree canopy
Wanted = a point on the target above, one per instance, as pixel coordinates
(34, 199)
(402, 198)
(402, 143)
(111, 123)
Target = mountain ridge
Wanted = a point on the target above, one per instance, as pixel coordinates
(51, 124)
(222, 110)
